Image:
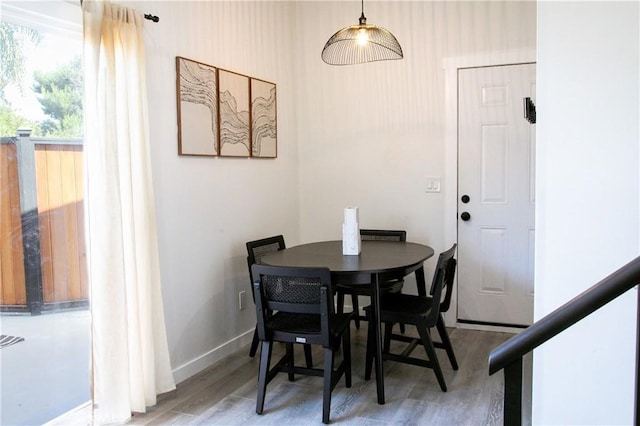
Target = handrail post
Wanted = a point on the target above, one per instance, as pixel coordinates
(508, 356)
(513, 393)
(636, 415)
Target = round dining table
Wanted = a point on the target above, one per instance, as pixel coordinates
(378, 261)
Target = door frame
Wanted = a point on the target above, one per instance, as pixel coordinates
(451, 66)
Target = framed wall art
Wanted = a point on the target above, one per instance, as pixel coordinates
(197, 94)
(222, 113)
(264, 141)
(233, 99)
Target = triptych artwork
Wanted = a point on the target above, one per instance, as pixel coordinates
(223, 113)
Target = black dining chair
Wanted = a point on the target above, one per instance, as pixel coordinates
(422, 312)
(255, 251)
(355, 290)
(295, 305)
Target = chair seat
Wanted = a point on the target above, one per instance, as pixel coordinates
(355, 290)
(307, 323)
(401, 306)
(365, 289)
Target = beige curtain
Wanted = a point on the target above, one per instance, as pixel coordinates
(130, 357)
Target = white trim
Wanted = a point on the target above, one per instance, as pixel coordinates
(61, 17)
(206, 360)
(494, 328)
(79, 415)
(450, 183)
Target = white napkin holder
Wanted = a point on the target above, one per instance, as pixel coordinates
(351, 243)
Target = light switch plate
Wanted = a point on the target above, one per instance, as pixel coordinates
(433, 184)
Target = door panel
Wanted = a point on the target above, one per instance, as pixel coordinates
(497, 171)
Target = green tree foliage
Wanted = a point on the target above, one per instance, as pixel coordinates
(12, 41)
(59, 91)
(60, 94)
(12, 69)
(10, 122)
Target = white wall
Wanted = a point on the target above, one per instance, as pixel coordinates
(587, 217)
(366, 135)
(209, 207)
(370, 134)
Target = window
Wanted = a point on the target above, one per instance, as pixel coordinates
(43, 299)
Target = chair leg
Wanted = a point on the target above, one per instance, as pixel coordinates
(388, 330)
(327, 376)
(254, 343)
(370, 349)
(289, 350)
(356, 309)
(340, 303)
(431, 354)
(263, 373)
(346, 356)
(307, 356)
(402, 328)
(446, 343)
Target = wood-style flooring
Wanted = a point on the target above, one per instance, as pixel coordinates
(225, 394)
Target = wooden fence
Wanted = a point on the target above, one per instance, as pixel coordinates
(42, 255)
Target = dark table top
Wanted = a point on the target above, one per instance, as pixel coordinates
(376, 257)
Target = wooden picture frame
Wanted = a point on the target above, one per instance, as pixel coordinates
(197, 93)
(234, 120)
(264, 132)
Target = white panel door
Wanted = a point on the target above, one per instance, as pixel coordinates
(496, 195)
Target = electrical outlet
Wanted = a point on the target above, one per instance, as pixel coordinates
(242, 300)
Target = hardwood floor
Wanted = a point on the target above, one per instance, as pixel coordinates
(225, 394)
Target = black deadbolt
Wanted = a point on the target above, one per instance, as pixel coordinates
(465, 216)
(465, 199)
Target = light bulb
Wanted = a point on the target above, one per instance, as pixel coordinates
(362, 38)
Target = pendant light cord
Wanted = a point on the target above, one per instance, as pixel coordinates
(363, 19)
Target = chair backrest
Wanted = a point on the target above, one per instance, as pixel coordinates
(383, 235)
(442, 284)
(258, 248)
(292, 290)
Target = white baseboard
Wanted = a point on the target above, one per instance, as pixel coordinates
(81, 415)
(450, 321)
(193, 367)
(496, 328)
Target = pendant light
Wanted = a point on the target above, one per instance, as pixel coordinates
(361, 43)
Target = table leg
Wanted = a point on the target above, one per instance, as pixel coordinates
(375, 280)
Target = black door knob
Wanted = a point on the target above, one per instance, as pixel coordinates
(465, 216)
(465, 199)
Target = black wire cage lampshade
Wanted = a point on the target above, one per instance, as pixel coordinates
(361, 43)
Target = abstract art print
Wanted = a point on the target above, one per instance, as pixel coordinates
(233, 101)
(264, 141)
(197, 108)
